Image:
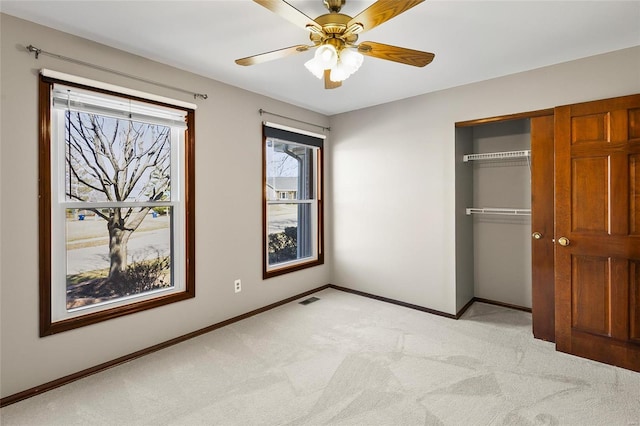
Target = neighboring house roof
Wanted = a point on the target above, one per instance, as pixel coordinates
(281, 183)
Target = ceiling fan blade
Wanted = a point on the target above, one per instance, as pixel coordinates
(328, 84)
(291, 14)
(381, 11)
(402, 55)
(270, 56)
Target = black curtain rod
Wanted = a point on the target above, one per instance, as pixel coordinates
(32, 49)
(261, 111)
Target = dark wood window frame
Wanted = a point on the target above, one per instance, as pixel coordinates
(311, 141)
(47, 326)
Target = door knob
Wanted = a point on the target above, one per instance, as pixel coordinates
(564, 241)
(536, 235)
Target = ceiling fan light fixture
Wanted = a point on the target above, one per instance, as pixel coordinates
(315, 67)
(351, 59)
(339, 73)
(327, 56)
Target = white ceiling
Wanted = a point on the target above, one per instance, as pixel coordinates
(472, 41)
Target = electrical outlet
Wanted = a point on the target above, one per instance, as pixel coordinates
(237, 285)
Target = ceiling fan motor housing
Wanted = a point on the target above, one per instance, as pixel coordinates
(334, 25)
(334, 6)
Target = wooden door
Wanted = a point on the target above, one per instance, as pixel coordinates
(542, 202)
(597, 188)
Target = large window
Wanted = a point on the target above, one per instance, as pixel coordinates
(292, 175)
(116, 204)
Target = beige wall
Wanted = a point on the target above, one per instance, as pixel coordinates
(228, 210)
(393, 170)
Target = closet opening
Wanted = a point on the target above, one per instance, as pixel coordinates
(500, 199)
(496, 182)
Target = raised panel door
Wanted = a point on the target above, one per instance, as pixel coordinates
(597, 230)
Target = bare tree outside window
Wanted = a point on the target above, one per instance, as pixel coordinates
(111, 161)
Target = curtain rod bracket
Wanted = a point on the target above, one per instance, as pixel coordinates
(32, 49)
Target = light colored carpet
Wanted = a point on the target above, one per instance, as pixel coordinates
(350, 360)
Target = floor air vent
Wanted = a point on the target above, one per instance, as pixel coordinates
(309, 300)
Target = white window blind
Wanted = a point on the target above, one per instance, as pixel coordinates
(74, 99)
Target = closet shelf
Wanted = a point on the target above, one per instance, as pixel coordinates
(500, 211)
(496, 155)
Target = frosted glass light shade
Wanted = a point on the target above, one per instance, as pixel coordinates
(351, 59)
(315, 67)
(339, 72)
(327, 55)
(342, 64)
(325, 58)
(348, 62)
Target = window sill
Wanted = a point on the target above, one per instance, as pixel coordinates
(297, 266)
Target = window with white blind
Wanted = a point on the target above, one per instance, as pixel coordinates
(116, 204)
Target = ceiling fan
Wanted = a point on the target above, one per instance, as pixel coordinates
(334, 36)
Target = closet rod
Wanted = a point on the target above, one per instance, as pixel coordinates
(37, 51)
(261, 111)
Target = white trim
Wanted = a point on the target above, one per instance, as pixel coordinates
(293, 129)
(113, 88)
(498, 210)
